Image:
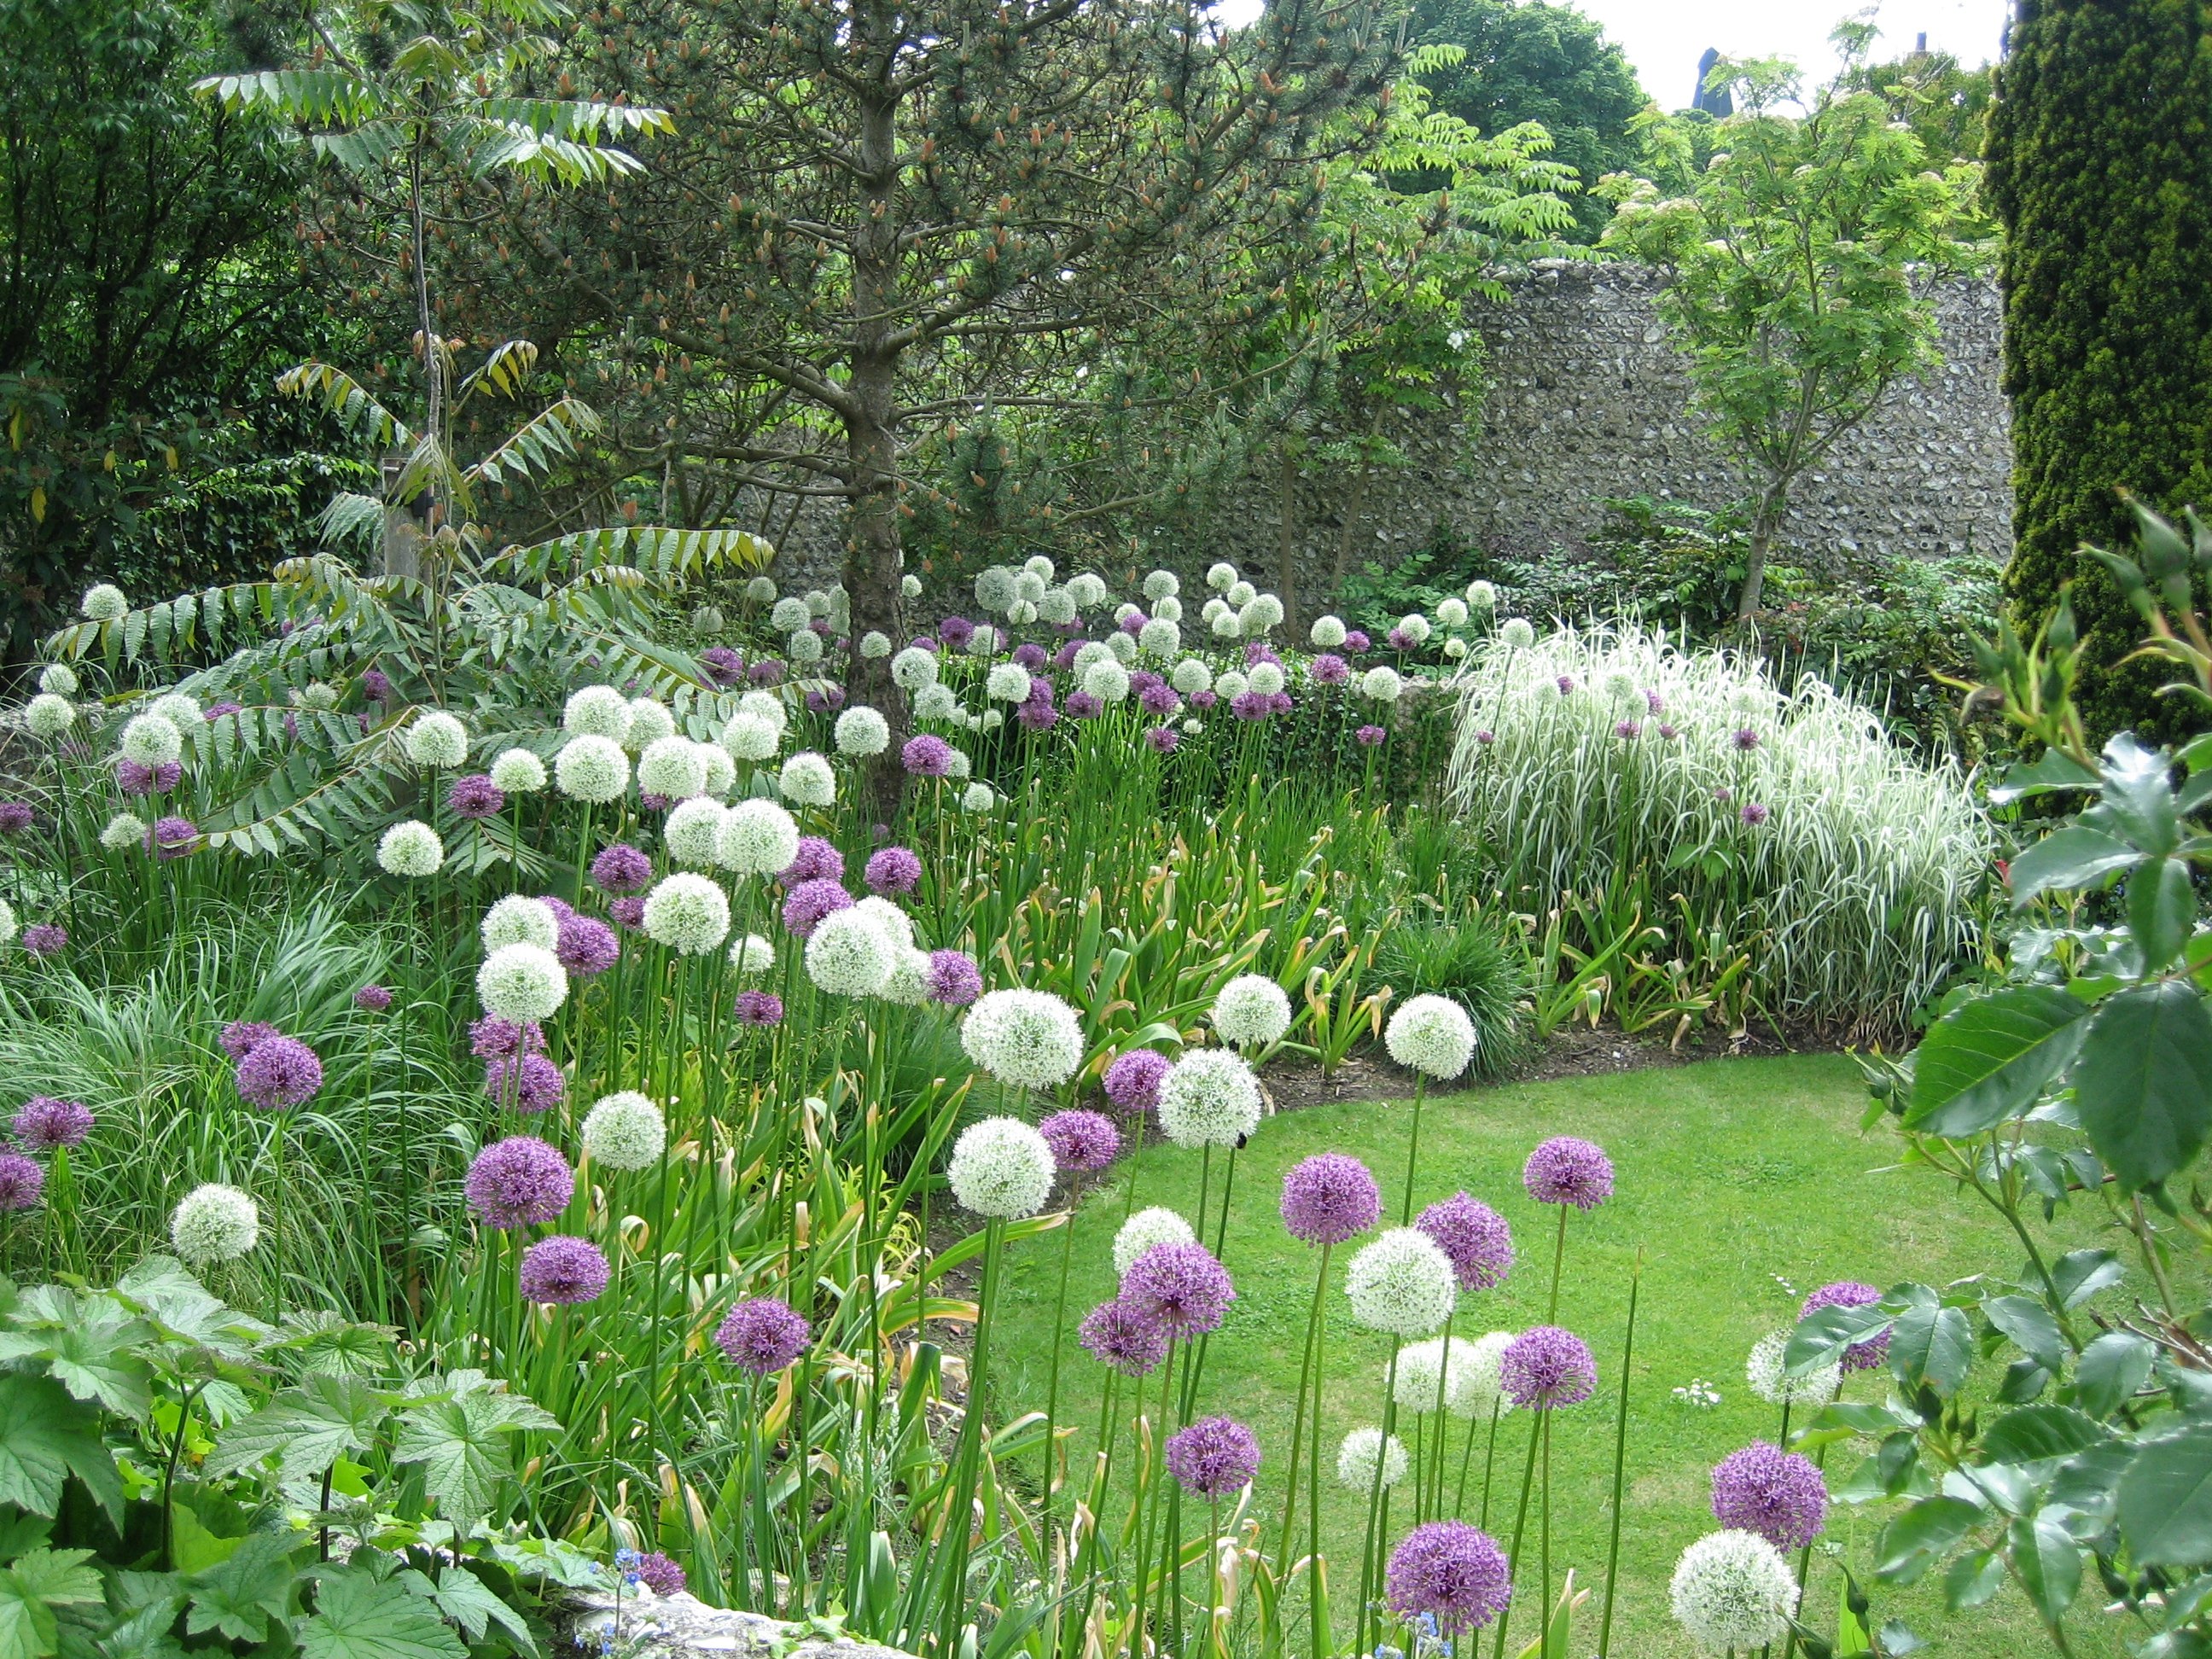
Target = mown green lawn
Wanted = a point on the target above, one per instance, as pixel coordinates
(1744, 1182)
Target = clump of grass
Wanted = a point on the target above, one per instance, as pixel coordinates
(1470, 962)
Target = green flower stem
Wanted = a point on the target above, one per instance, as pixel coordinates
(1558, 1258)
(1621, 1458)
(1413, 1146)
(1299, 1417)
(1520, 1531)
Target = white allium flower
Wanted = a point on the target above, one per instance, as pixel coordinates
(1209, 1097)
(1452, 613)
(1381, 684)
(49, 715)
(994, 587)
(1190, 676)
(673, 767)
(1231, 684)
(1733, 1592)
(807, 779)
(959, 765)
(1481, 596)
(1008, 682)
(875, 643)
(437, 739)
(721, 770)
(752, 956)
(150, 740)
(1432, 1374)
(1213, 610)
(517, 772)
(849, 954)
(1030, 1039)
(1148, 1230)
(1167, 610)
(1516, 632)
(693, 831)
(1087, 589)
(909, 984)
(861, 729)
(1402, 1284)
(1162, 584)
(749, 738)
(1089, 652)
(1480, 1394)
(1000, 1169)
(1415, 627)
(1029, 588)
(182, 710)
(1772, 1382)
(1357, 1457)
(1239, 593)
(320, 695)
(1124, 610)
(706, 621)
(936, 701)
(1121, 647)
(1431, 1034)
(59, 678)
(1267, 679)
(1251, 1009)
(912, 669)
(1022, 613)
(215, 1223)
(8, 924)
(985, 640)
(1221, 577)
(592, 767)
(1260, 613)
(125, 831)
(804, 647)
(1454, 648)
(787, 615)
(1038, 566)
(103, 603)
(522, 984)
(597, 711)
(520, 919)
(897, 926)
(909, 587)
(411, 849)
(649, 722)
(977, 797)
(1159, 638)
(1191, 728)
(1057, 607)
(1106, 681)
(761, 590)
(991, 719)
(1225, 624)
(766, 705)
(624, 1131)
(688, 914)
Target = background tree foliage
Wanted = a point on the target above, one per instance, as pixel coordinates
(2100, 166)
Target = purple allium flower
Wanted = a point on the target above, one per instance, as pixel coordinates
(44, 1124)
(1667, 732)
(15, 817)
(660, 1575)
(1082, 1143)
(1280, 701)
(44, 938)
(1133, 624)
(1546, 1367)
(1654, 703)
(1723, 794)
(1565, 1171)
(769, 671)
(1259, 651)
(585, 946)
(762, 1336)
(1031, 657)
(816, 860)
(759, 1008)
(1203, 701)
(1745, 738)
(927, 755)
(1065, 657)
(955, 631)
(372, 999)
(23, 1183)
(172, 838)
(1776, 1494)
(1034, 716)
(1628, 729)
(215, 711)
(892, 870)
(810, 901)
(1252, 707)
(562, 909)
(279, 1072)
(824, 699)
(722, 665)
(1159, 700)
(1083, 706)
(1356, 640)
(1039, 692)
(476, 796)
(1163, 739)
(376, 685)
(1486, 737)
(493, 1038)
(136, 780)
(1330, 1198)
(1142, 680)
(1451, 1571)
(1753, 813)
(1181, 1285)
(1850, 1293)
(1370, 735)
(563, 1270)
(952, 979)
(621, 868)
(1329, 669)
(626, 913)
(1132, 1081)
(519, 1182)
(242, 1037)
(529, 1083)
(1120, 1334)
(651, 803)
(1399, 640)
(1476, 1237)
(1566, 684)
(1214, 1456)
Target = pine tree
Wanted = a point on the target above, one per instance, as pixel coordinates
(2100, 166)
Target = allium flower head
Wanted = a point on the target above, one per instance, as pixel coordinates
(815, 860)
(621, 868)
(1190, 676)
(522, 984)
(862, 730)
(1776, 1494)
(410, 850)
(1753, 813)
(722, 666)
(518, 920)
(1356, 1458)
(23, 1183)
(1474, 1237)
(562, 1270)
(693, 831)
(1213, 1457)
(44, 1124)
(1141, 1231)
(1028, 1039)
(529, 1083)
(673, 767)
(1566, 1171)
(1481, 1392)
(1132, 1081)
(1769, 1378)
(1850, 1293)
(1402, 1284)
(1327, 632)
(1209, 1097)
(892, 870)
(215, 1223)
(688, 914)
(658, 1574)
(136, 780)
(1370, 737)
(518, 1182)
(849, 954)
(807, 904)
(474, 796)
(752, 956)
(953, 980)
(592, 768)
(1733, 1593)
(624, 1131)
(1251, 1010)
(758, 1008)
(149, 740)
(597, 711)
(1381, 684)
(757, 838)
(1082, 1143)
(172, 838)
(650, 722)
(44, 938)
(763, 1336)
(1545, 1367)
(103, 602)
(1000, 1169)
(1330, 1198)
(492, 1036)
(1181, 1285)
(48, 716)
(806, 778)
(1449, 1571)
(1119, 1334)
(240, 1037)
(751, 738)
(1432, 1035)
(279, 1073)
(437, 739)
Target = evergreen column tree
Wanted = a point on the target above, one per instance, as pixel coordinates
(2100, 166)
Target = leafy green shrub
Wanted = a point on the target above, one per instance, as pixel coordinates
(1471, 962)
